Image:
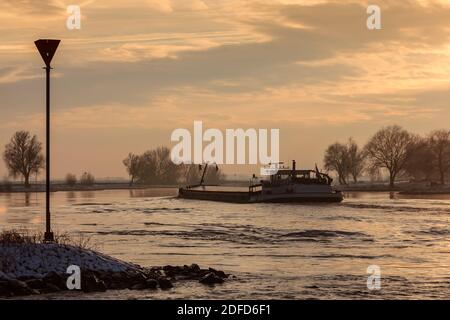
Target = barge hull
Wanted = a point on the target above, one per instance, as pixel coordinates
(256, 197)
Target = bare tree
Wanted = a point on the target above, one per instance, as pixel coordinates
(71, 179)
(167, 172)
(87, 179)
(388, 148)
(147, 168)
(439, 142)
(153, 167)
(356, 159)
(132, 163)
(23, 156)
(336, 159)
(419, 160)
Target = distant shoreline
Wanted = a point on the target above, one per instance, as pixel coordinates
(96, 187)
(402, 188)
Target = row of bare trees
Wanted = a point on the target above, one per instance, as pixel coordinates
(23, 158)
(392, 149)
(156, 167)
(86, 179)
(396, 151)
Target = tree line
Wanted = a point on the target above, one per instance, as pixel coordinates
(23, 158)
(156, 167)
(396, 151)
(392, 149)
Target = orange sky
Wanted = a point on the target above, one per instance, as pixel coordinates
(137, 70)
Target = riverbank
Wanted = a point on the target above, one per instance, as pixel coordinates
(405, 188)
(28, 267)
(55, 187)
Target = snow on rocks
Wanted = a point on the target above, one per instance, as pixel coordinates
(37, 260)
(42, 268)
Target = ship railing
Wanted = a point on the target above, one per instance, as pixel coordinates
(255, 188)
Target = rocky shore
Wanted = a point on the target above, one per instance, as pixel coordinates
(31, 269)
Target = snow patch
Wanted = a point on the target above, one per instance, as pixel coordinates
(38, 260)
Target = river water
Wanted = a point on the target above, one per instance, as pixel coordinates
(275, 251)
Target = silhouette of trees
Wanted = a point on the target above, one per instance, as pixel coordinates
(71, 179)
(156, 167)
(346, 160)
(337, 159)
(23, 156)
(388, 149)
(439, 144)
(395, 150)
(419, 160)
(87, 179)
(152, 167)
(132, 164)
(356, 159)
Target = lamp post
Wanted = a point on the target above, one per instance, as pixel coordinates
(47, 49)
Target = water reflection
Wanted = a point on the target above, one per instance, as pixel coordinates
(153, 192)
(71, 197)
(87, 194)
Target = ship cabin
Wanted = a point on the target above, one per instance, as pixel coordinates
(293, 176)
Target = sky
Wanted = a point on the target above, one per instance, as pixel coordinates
(137, 70)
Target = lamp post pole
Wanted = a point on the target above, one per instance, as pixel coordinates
(48, 236)
(47, 49)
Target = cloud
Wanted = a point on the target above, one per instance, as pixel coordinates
(297, 65)
(16, 74)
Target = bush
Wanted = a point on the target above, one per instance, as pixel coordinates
(87, 179)
(27, 237)
(71, 179)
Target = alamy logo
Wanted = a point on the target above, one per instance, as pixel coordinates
(374, 20)
(74, 280)
(374, 280)
(235, 145)
(74, 20)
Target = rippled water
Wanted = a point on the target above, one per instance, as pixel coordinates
(286, 251)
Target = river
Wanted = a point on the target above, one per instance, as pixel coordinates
(275, 251)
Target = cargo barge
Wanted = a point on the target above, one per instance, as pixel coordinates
(283, 185)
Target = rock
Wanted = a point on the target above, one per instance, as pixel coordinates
(117, 285)
(168, 267)
(4, 276)
(194, 267)
(35, 283)
(211, 278)
(137, 278)
(152, 284)
(56, 279)
(5, 290)
(49, 288)
(19, 288)
(165, 283)
(139, 286)
(220, 274)
(90, 283)
(172, 271)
